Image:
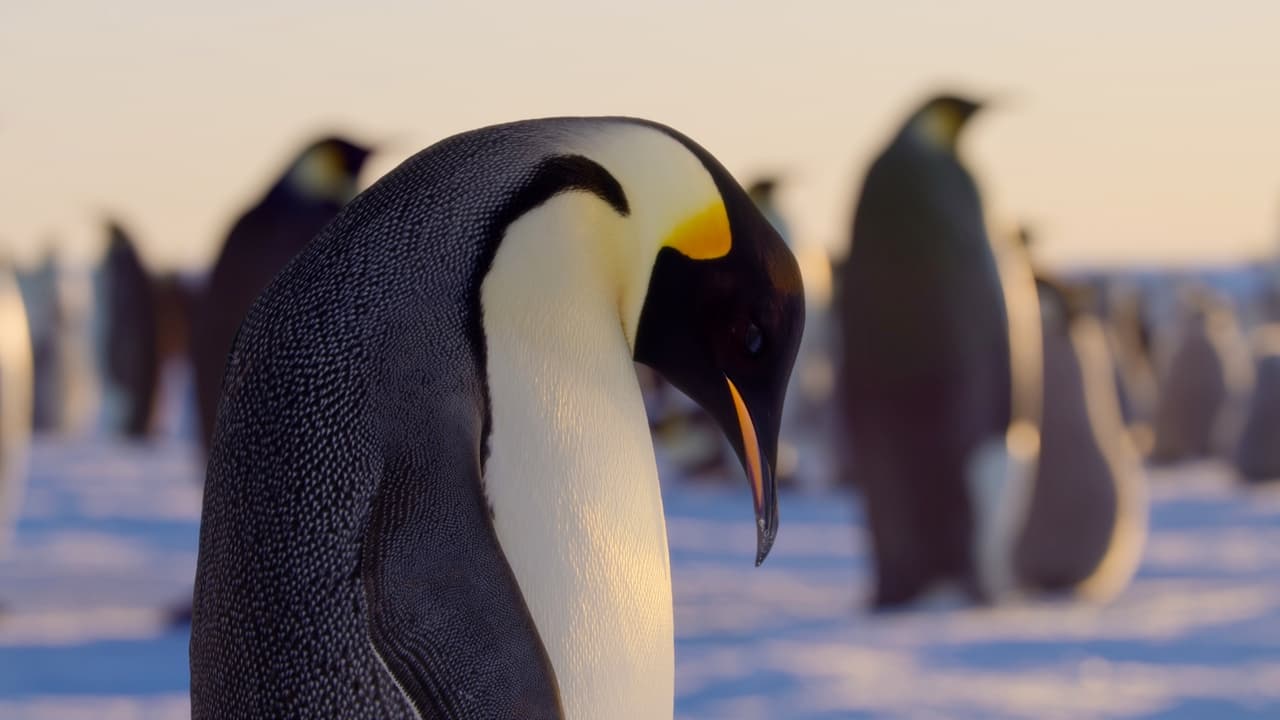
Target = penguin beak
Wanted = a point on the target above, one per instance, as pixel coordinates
(755, 461)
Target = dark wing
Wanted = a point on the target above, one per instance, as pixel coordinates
(445, 613)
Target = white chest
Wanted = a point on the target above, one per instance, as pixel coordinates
(571, 472)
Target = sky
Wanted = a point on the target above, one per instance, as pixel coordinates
(1137, 132)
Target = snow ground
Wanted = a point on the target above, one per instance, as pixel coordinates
(107, 543)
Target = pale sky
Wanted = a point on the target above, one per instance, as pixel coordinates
(1129, 132)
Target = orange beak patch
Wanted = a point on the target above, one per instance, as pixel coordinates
(750, 445)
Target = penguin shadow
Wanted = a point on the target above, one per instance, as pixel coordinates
(754, 696)
(105, 667)
(1103, 667)
(1198, 648)
(1200, 708)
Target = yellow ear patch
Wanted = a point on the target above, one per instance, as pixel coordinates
(942, 125)
(703, 235)
(322, 172)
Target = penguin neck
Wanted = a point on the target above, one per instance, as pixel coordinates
(571, 475)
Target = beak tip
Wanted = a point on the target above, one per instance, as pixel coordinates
(766, 533)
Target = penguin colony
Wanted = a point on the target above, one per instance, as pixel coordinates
(431, 491)
(431, 487)
(314, 187)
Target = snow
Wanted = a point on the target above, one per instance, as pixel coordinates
(107, 542)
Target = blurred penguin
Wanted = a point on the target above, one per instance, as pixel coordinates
(1129, 338)
(59, 301)
(1087, 521)
(129, 330)
(1270, 300)
(172, 414)
(15, 404)
(313, 188)
(762, 192)
(1204, 384)
(941, 368)
(1257, 455)
(809, 416)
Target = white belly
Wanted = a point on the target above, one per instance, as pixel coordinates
(15, 405)
(571, 473)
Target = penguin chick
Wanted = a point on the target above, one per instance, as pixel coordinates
(432, 491)
(310, 192)
(1086, 525)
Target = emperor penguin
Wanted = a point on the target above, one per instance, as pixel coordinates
(431, 489)
(1204, 384)
(313, 188)
(15, 404)
(1257, 455)
(1086, 525)
(131, 370)
(940, 379)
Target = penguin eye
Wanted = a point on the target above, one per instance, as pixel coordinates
(753, 340)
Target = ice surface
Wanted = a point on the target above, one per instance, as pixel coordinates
(106, 547)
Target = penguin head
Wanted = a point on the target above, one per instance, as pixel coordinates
(328, 170)
(939, 121)
(722, 316)
(761, 190)
(117, 237)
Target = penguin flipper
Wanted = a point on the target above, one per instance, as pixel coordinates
(446, 616)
